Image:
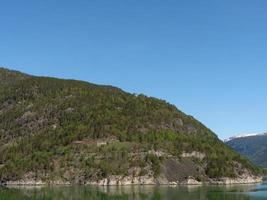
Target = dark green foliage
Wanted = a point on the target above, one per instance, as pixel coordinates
(51, 126)
(155, 161)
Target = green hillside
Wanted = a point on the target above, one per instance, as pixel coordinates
(54, 129)
(253, 147)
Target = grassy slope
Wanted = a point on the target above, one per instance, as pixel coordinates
(51, 127)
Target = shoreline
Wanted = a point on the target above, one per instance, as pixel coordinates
(105, 183)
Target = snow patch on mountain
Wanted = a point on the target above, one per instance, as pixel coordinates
(245, 135)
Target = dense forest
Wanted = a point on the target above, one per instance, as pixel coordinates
(77, 131)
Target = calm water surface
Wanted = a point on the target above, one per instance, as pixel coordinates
(242, 192)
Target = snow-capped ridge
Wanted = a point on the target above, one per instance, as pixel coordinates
(245, 135)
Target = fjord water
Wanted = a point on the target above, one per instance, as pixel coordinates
(238, 192)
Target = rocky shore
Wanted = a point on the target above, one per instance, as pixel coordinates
(144, 180)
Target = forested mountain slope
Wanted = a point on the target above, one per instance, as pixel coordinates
(67, 131)
(253, 146)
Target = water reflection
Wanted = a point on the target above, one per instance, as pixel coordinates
(241, 192)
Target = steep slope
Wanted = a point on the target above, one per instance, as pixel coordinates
(10, 76)
(67, 131)
(253, 146)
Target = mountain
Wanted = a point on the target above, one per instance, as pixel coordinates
(67, 131)
(253, 146)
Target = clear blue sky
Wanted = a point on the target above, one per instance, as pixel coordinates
(207, 57)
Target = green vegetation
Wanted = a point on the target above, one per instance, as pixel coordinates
(67, 129)
(254, 148)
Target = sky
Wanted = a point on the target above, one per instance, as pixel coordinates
(209, 57)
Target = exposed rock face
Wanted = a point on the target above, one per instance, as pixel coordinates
(144, 180)
(119, 180)
(240, 180)
(193, 154)
(179, 171)
(191, 129)
(174, 173)
(192, 181)
(178, 122)
(35, 183)
(25, 182)
(156, 153)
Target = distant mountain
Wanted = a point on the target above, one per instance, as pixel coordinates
(66, 131)
(253, 146)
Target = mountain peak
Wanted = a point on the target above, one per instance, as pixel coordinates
(245, 136)
(252, 146)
